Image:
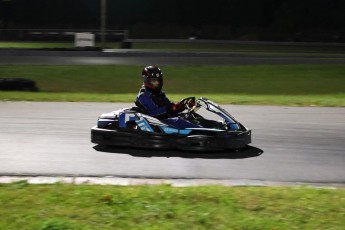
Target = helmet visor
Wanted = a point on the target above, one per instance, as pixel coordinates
(155, 82)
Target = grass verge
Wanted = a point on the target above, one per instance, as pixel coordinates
(331, 100)
(36, 45)
(193, 46)
(65, 206)
(305, 85)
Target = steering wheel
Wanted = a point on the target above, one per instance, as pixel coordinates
(187, 103)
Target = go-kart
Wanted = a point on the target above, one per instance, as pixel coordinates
(131, 127)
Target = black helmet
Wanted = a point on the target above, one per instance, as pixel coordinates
(150, 74)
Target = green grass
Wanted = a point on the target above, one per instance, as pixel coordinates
(228, 47)
(332, 100)
(193, 46)
(49, 45)
(36, 45)
(62, 206)
(319, 85)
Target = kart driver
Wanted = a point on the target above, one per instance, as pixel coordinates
(152, 100)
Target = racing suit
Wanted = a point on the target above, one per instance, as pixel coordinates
(156, 104)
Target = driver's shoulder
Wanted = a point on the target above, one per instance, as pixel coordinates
(144, 92)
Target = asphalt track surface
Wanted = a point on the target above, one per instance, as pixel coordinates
(160, 58)
(290, 144)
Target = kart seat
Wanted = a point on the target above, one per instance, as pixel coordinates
(139, 108)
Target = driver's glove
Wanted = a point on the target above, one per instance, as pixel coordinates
(176, 108)
(191, 103)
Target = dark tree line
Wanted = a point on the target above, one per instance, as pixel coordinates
(298, 20)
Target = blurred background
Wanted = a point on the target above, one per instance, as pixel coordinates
(259, 20)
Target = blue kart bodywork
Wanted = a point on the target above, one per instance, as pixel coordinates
(130, 127)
